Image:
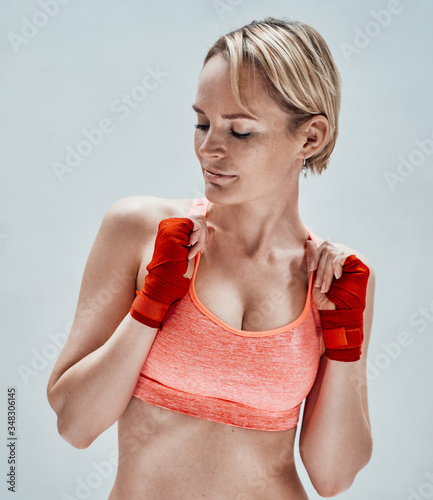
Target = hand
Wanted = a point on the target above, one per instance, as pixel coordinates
(328, 262)
(342, 324)
(165, 283)
(200, 235)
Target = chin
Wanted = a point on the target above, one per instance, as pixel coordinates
(216, 195)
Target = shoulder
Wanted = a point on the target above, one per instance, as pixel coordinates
(142, 214)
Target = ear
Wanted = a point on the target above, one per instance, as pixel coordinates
(315, 134)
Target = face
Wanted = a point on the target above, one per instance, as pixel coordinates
(257, 150)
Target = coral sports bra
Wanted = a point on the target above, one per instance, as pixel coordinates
(200, 366)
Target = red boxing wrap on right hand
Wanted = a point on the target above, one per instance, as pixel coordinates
(343, 328)
(165, 284)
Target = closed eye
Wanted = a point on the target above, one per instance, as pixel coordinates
(199, 126)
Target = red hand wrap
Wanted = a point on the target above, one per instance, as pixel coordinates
(343, 328)
(165, 284)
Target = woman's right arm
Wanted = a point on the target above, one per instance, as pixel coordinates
(98, 367)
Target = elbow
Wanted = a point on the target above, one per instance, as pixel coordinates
(332, 487)
(71, 433)
(332, 490)
(79, 444)
(73, 436)
(331, 483)
(328, 486)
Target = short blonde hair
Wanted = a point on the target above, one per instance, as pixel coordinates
(299, 70)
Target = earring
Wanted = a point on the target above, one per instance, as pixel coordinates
(304, 168)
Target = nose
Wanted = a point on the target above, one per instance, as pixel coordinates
(210, 146)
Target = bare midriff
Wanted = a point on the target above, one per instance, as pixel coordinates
(167, 455)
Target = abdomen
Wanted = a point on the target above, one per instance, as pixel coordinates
(169, 455)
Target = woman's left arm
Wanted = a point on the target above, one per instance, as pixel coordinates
(335, 440)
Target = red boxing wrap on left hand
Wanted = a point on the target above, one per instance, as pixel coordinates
(343, 328)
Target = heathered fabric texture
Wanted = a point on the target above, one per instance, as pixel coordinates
(200, 366)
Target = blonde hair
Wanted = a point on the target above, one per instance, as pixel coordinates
(299, 71)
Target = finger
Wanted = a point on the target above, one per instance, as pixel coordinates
(338, 270)
(337, 265)
(321, 266)
(197, 222)
(328, 274)
(198, 237)
(197, 227)
(320, 269)
(319, 251)
(311, 260)
(316, 253)
(190, 270)
(194, 237)
(196, 246)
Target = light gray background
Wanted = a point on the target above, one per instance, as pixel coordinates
(66, 78)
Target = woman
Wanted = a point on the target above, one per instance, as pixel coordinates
(206, 371)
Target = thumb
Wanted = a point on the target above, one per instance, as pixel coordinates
(190, 269)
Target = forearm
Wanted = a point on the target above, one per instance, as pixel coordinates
(336, 444)
(91, 395)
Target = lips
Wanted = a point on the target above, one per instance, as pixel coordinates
(215, 172)
(218, 178)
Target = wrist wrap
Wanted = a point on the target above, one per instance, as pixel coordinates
(164, 284)
(343, 328)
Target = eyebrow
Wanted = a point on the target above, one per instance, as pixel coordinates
(233, 116)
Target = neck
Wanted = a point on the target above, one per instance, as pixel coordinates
(260, 227)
